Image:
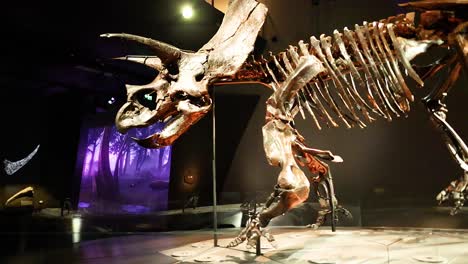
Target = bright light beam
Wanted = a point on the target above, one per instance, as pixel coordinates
(187, 12)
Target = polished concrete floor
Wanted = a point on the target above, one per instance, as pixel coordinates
(47, 238)
(293, 245)
(349, 245)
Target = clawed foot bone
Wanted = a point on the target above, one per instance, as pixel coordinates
(313, 226)
(457, 192)
(318, 222)
(252, 232)
(458, 205)
(343, 211)
(321, 218)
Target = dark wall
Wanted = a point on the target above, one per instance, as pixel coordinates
(52, 122)
(249, 171)
(20, 134)
(192, 156)
(193, 152)
(62, 120)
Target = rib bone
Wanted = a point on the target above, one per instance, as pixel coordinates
(394, 62)
(343, 96)
(354, 72)
(383, 74)
(372, 65)
(349, 88)
(397, 89)
(401, 56)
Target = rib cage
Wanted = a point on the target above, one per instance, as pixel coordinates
(362, 80)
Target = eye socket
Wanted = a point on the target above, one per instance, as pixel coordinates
(173, 69)
(146, 98)
(180, 95)
(199, 77)
(199, 101)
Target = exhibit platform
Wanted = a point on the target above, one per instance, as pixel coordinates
(293, 245)
(374, 235)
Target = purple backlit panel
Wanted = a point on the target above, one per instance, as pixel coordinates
(120, 177)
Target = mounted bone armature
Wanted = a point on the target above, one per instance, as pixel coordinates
(260, 62)
(353, 70)
(379, 81)
(302, 102)
(299, 104)
(435, 4)
(275, 83)
(301, 98)
(342, 94)
(293, 54)
(311, 112)
(308, 68)
(314, 97)
(370, 83)
(402, 57)
(322, 88)
(317, 89)
(166, 52)
(396, 93)
(394, 62)
(305, 52)
(332, 102)
(279, 67)
(349, 89)
(395, 19)
(259, 67)
(287, 63)
(403, 103)
(303, 48)
(290, 70)
(381, 62)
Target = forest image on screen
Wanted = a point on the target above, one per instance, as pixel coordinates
(120, 177)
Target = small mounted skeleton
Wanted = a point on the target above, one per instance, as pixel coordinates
(348, 79)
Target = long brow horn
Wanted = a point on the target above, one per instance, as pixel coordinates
(164, 51)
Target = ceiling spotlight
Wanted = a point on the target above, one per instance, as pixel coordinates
(111, 101)
(187, 12)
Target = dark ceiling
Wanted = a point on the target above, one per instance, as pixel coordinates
(51, 47)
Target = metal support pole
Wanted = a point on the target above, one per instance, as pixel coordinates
(331, 193)
(258, 248)
(215, 213)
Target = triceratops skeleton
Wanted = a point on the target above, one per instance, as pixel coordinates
(362, 64)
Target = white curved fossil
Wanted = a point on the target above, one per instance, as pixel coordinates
(11, 167)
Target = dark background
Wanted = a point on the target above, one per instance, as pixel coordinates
(55, 71)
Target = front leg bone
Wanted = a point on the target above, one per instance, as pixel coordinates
(457, 190)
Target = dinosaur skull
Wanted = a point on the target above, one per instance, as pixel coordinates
(178, 96)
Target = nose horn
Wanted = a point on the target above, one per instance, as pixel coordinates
(166, 52)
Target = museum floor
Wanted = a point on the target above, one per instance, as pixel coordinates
(48, 238)
(294, 245)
